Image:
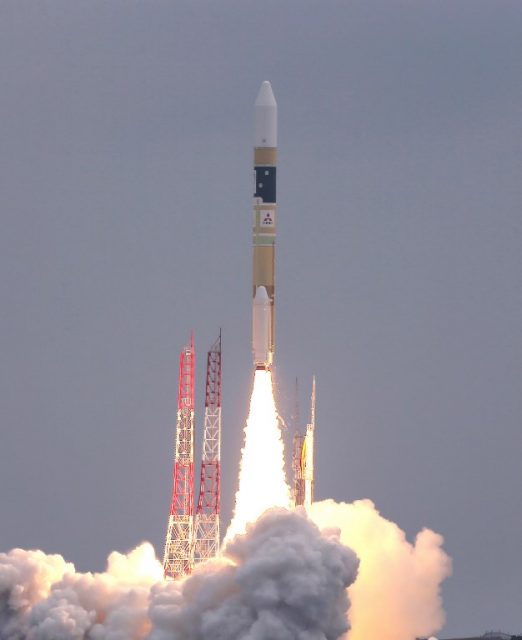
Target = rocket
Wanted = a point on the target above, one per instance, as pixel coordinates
(264, 228)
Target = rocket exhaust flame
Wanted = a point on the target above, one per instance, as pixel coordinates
(262, 479)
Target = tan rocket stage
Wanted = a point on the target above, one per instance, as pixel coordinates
(264, 228)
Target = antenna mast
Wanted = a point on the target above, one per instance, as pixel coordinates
(207, 514)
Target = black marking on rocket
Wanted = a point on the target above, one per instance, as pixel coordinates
(265, 187)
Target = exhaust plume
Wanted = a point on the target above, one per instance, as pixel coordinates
(282, 574)
(262, 480)
(285, 578)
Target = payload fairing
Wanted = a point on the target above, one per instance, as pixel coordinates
(264, 228)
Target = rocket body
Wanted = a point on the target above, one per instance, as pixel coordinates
(264, 227)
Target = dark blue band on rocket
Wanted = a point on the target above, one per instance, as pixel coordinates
(265, 184)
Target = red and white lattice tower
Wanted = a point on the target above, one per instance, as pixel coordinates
(178, 557)
(206, 543)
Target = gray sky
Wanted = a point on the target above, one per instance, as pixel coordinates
(126, 131)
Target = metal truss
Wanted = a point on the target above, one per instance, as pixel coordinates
(207, 535)
(178, 556)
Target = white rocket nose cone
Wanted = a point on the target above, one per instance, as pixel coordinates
(266, 117)
(265, 97)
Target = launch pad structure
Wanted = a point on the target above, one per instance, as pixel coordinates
(193, 530)
(177, 559)
(192, 538)
(206, 544)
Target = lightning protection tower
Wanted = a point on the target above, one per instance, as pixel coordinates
(206, 524)
(178, 556)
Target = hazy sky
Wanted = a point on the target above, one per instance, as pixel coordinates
(126, 132)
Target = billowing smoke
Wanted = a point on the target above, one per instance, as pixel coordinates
(397, 593)
(43, 598)
(283, 575)
(282, 580)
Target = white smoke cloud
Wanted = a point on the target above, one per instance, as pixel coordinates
(286, 578)
(43, 598)
(26, 578)
(282, 580)
(397, 593)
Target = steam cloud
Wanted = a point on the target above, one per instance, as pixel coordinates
(289, 577)
(397, 593)
(282, 580)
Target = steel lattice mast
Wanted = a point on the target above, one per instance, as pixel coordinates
(178, 556)
(206, 525)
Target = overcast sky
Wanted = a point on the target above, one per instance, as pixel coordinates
(126, 132)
